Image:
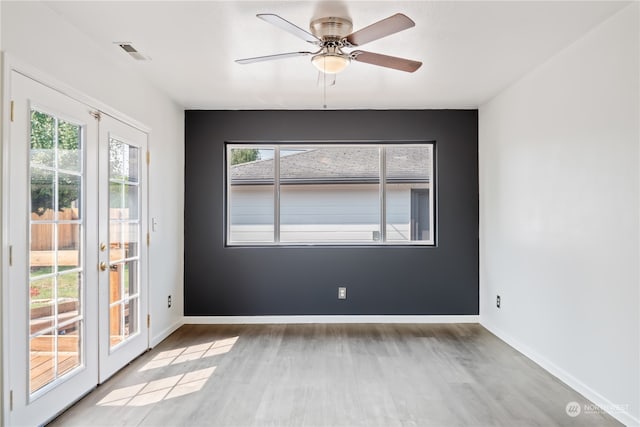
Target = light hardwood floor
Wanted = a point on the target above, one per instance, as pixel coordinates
(332, 375)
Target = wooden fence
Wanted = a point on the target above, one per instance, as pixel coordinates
(42, 234)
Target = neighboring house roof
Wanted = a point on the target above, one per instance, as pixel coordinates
(339, 165)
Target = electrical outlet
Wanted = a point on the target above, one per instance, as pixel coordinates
(169, 302)
(342, 293)
(498, 301)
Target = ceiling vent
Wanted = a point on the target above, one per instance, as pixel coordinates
(132, 51)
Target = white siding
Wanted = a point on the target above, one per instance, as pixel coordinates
(320, 213)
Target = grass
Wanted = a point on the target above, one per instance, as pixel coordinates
(69, 285)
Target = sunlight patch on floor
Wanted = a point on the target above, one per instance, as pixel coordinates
(194, 352)
(156, 391)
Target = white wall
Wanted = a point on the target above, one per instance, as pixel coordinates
(559, 215)
(37, 36)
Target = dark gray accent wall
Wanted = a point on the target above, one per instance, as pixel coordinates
(439, 280)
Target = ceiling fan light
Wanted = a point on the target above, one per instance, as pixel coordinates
(330, 63)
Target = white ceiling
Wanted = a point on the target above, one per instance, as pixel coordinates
(470, 50)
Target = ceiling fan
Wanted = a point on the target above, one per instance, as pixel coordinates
(333, 34)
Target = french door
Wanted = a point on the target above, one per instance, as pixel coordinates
(123, 248)
(77, 268)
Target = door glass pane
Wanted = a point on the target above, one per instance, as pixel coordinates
(116, 245)
(69, 291)
(42, 255)
(115, 324)
(123, 161)
(42, 360)
(251, 208)
(69, 191)
(69, 152)
(55, 259)
(130, 280)
(130, 238)
(130, 320)
(124, 237)
(43, 136)
(41, 304)
(68, 246)
(42, 192)
(115, 283)
(123, 201)
(68, 347)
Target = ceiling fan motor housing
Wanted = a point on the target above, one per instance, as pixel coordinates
(331, 28)
(332, 31)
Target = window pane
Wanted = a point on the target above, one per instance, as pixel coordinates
(251, 209)
(123, 237)
(69, 288)
(41, 304)
(130, 236)
(42, 256)
(123, 161)
(69, 147)
(68, 347)
(123, 201)
(131, 317)
(43, 131)
(130, 278)
(42, 191)
(408, 197)
(329, 194)
(115, 324)
(42, 363)
(68, 246)
(115, 282)
(122, 282)
(69, 191)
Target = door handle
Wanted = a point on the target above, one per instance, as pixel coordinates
(103, 266)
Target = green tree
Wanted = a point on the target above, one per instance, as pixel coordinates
(54, 145)
(244, 155)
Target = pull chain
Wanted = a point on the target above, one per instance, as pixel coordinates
(324, 79)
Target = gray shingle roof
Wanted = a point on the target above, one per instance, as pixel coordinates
(339, 164)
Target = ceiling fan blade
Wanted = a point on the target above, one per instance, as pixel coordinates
(289, 27)
(272, 57)
(380, 29)
(386, 61)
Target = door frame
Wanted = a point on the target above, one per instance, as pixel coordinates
(8, 64)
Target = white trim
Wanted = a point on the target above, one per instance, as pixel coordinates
(4, 236)
(623, 416)
(239, 320)
(157, 339)
(12, 64)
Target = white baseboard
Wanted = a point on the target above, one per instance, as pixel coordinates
(623, 416)
(227, 320)
(162, 335)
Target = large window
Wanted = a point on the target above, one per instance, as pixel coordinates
(336, 194)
